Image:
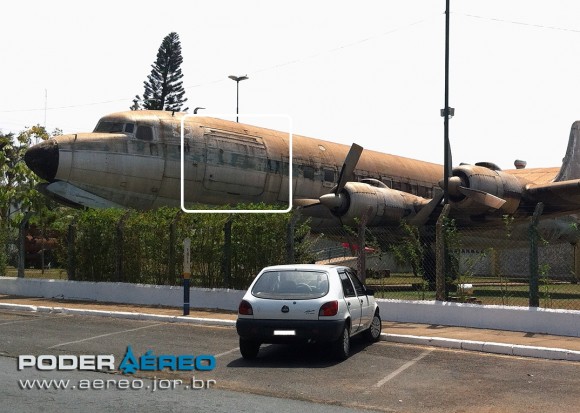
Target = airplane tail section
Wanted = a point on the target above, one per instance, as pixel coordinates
(571, 163)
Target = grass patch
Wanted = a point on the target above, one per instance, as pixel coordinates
(561, 295)
(52, 274)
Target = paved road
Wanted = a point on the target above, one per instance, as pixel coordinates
(383, 376)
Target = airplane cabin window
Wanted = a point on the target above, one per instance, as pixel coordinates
(109, 127)
(273, 166)
(145, 133)
(308, 172)
(328, 175)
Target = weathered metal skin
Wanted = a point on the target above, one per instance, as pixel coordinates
(133, 159)
(498, 183)
(225, 163)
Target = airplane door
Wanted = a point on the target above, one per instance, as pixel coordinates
(235, 166)
(352, 301)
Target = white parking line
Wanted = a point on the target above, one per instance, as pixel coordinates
(403, 368)
(21, 321)
(225, 353)
(106, 335)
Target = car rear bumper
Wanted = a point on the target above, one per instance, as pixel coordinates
(280, 331)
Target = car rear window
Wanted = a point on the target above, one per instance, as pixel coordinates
(294, 285)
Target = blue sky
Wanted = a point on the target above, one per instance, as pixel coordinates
(369, 72)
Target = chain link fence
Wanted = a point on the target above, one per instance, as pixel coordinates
(228, 250)
(483, 267)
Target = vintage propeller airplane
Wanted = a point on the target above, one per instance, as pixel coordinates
(133, 159)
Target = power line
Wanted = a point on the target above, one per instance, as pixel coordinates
(312, 56)
(519, 23)
(64, 107)
(321, 53)
(265, 69)
(344, 46)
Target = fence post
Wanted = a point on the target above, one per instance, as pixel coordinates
(290, 257)
(119, 273)
(172, 255)
(186, 274)
(441, 254)
(21, 247)
(227, 253)
(576, 252)
(534, 272)
(71, 251)
(361, 262)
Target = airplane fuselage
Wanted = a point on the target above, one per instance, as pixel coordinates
(137, 164)
(133, 159)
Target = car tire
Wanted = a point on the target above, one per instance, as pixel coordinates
(342, 345)
(249, 348)
(373, 333)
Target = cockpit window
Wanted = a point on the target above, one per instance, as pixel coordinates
(129, 127)
(109, 127)
(145, 133)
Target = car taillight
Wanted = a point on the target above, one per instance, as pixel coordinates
(245, 308)
(328, 309)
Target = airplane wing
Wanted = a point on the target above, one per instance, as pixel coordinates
(73, 196)
(556, 196)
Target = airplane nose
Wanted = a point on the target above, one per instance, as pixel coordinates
(42, 159)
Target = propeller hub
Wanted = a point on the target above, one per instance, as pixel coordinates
(454, 184)
(332, 201)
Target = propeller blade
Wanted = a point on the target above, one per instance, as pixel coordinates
(482, 197)
(305, 202)
(423, 215)
(450, 160)
(317, 211)
(346, 172)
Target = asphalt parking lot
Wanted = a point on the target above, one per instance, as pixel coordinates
(382, 376)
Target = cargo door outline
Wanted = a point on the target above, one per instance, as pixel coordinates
(235, 166)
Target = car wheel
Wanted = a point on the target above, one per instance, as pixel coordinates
(249, 348)
(373, 334)
(342, 345)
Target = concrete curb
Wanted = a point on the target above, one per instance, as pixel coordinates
(530, 320)
(469, 345)
(119, 314)
(486, 347)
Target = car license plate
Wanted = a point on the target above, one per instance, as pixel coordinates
(284, 332)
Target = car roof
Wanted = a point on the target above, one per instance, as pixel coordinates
(319, 267)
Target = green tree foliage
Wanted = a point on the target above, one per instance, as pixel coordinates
(17, 183)
(409, 250)
(163, 87)
(96, 245)
(147, 247)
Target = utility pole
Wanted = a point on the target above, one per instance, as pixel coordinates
(238, 79)
(446, 113)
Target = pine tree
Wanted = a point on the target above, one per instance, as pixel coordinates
(163, 87)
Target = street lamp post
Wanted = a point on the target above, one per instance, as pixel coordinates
(238, 79)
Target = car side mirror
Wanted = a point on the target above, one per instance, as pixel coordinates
(370, 292)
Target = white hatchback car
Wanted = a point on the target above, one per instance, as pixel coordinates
(306, 303)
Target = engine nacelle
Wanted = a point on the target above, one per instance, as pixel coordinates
(388, 206)
(493, 182)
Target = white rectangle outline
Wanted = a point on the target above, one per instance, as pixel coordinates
(236, 211)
